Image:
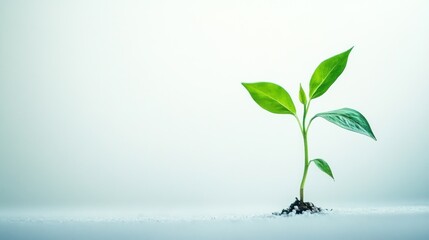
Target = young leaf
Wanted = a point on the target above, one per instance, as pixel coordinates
(348, 119)
(302, 97)
(324, 166)
(327, 72)
(271, 97)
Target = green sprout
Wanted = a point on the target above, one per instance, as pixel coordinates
(276, 99)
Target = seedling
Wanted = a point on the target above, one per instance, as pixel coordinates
(276, 99)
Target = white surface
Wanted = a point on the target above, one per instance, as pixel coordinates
(366, 223)
(136, 215)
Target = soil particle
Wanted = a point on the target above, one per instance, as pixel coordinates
(299, 207)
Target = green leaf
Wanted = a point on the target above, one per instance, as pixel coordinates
(324, 166)
(348, 119)
(302, 97)
(271, 97)
(327, 72)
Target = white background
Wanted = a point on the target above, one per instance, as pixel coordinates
(139, 103)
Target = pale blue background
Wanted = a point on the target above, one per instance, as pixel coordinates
(139, 103)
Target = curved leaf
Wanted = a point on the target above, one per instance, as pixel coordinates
(271, 97)
(302, 97)
(324, 166)
(349, 119)
(327, 72)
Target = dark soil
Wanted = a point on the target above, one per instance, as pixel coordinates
(299, 207)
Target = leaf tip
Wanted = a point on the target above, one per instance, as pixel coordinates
(302, 96)
(331, 174)
(372, 135)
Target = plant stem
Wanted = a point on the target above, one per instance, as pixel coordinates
(301, 189)
(304, 131)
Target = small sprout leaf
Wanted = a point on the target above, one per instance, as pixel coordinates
(271, 97)
(326, 73)
(324, 166)
(349, 119)
(302, 97)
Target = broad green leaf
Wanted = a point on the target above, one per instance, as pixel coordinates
(324, 166)
(327, 72)
(302, 97)
(348, 119)
(271, 97)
